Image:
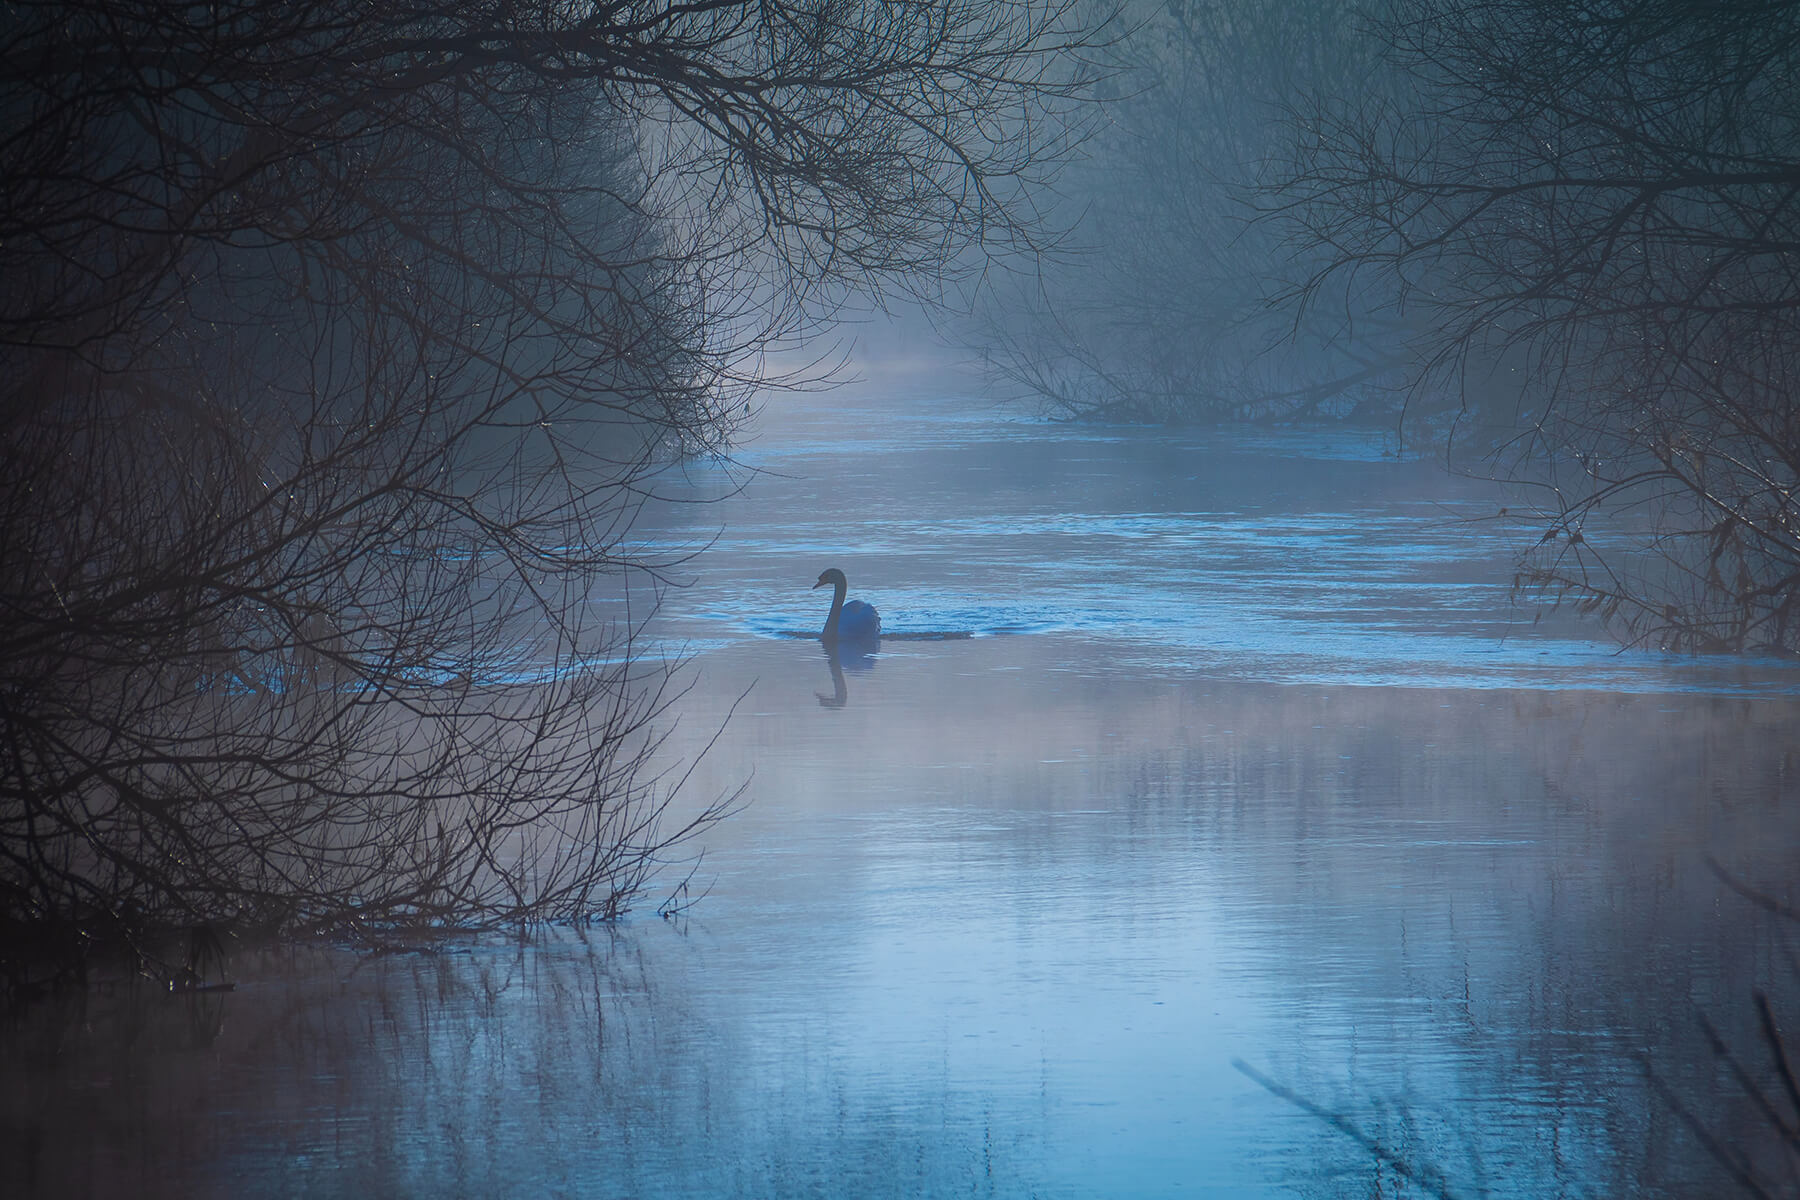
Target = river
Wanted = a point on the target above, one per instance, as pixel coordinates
(1253, 843)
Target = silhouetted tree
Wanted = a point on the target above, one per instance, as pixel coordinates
(338, 344)
(1590, 214)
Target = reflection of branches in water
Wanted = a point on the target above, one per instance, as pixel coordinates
(323, 1030)
(1761, 899)
(1424, 1175)
(1736, 1159)
(486, 1066)
(1760, 1156)
(1767, 1167)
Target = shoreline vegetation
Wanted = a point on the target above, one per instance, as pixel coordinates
(342, 346)
(1549, 243)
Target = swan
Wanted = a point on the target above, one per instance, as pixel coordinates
(852, 622)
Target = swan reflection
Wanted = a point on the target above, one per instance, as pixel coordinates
(840, 659)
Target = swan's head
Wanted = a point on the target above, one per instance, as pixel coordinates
(831, 576)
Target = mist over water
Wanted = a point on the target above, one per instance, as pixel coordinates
(1250, 758)
(1319, 557)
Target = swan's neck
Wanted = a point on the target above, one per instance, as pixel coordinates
(837, 607)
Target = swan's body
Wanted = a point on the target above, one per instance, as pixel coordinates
(851, 622)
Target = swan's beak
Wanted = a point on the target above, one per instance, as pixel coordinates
(818, 585)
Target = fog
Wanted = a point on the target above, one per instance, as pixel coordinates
(1325, 474)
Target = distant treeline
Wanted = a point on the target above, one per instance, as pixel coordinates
(1554, 241)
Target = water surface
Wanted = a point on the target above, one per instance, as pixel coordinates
(1251, 759)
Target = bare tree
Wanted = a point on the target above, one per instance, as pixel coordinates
(1163, 308)
(339, 344)
(1590, 212)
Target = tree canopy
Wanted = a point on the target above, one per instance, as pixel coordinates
(340, 342)
(1552, 241)
(1591, 212)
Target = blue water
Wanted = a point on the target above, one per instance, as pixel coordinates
(1309, 556)
(1251, 759)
